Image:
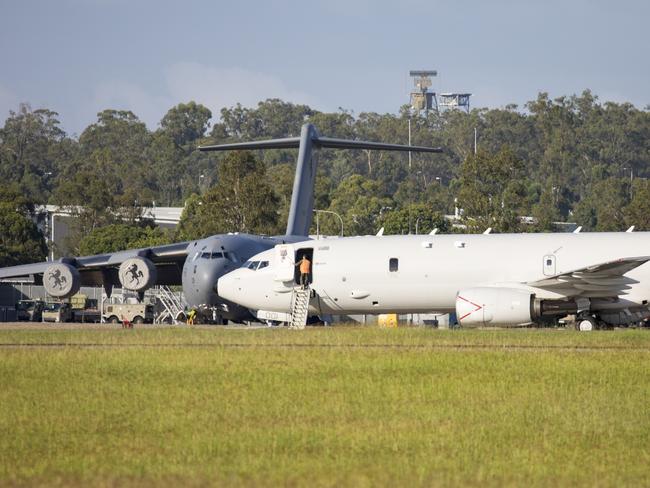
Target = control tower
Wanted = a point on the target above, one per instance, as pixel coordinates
(422, 98)
(455, 101)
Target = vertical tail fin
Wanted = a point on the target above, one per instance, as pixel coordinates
(302, 199)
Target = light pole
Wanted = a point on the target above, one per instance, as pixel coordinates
(631, 177)
(52, 238)
(409, 137)
(318, 212)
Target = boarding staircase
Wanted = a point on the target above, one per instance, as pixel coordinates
(172, 304)
(300, 307)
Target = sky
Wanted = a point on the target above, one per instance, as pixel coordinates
(78, 57)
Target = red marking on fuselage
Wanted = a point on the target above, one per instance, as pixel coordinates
(478, 307)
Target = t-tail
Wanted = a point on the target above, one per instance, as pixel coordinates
(302, 199)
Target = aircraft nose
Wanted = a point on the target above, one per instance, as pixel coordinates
(226, 286)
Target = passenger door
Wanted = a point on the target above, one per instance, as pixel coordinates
(284, 262)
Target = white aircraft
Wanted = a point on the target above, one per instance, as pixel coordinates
(489, 279)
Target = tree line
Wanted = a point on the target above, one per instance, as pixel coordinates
(571, 158)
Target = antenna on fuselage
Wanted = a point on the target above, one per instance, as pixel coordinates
(302, 198)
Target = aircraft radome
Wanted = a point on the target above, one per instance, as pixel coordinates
(487, 279)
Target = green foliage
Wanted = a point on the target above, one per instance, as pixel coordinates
(417, 218)
(560, 152)
(359, 200)
(492, 191)
(29, 149)
(20, 240)
(604, 207)
(241, 201)
(637, 213)
(185, 123)
(118, 237)
(398, 407)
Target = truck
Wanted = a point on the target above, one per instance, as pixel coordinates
(138, 313)
(30, 310)
(84, 309)
(57, 312)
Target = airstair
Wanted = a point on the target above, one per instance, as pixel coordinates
(300, 307)
(172, 305)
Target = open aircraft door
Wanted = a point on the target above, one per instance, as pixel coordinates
(285, 265)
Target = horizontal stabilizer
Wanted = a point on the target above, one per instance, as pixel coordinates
(302, 198)
(288, 143)
(326, 142)
(379, 146)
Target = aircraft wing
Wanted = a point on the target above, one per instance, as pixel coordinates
(599, 280)
(97, 269)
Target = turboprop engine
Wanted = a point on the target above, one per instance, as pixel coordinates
(137, 274)
(61, 280)
(494, 306)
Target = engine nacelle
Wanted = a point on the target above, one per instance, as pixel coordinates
(61, 280)
(494, 306)
(137, 274)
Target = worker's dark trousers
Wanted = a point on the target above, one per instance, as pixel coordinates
(304, 279)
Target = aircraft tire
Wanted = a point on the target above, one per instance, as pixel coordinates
(586, 324)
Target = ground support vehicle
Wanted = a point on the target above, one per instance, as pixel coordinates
(137, 313)
(57, 312)
(30, 310)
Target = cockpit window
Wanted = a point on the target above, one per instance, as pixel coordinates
(255, 265)
(205, 255)
(217, 255)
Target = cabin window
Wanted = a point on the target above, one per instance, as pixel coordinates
(393, 264)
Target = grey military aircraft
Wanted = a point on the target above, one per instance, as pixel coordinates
(197, 265)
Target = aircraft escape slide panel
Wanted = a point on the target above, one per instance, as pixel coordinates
(599, 280)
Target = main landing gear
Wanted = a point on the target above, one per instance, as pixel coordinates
(586, 323)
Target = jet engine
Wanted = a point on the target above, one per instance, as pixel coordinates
(61, 280)
(494, 306)
(137, 274)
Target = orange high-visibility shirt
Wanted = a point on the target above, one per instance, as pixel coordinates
(304, 265)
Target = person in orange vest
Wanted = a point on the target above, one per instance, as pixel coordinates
(305, 269)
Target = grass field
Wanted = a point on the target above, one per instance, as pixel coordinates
(324, 407)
